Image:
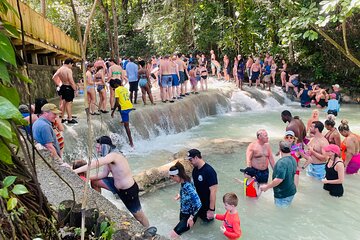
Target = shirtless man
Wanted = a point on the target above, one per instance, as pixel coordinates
(249, 63)
(166, 79)
(295, 125)
(259, 155)
(121, 182)
(182, 71)
(255, 72)
(314, 155)
(67, 89)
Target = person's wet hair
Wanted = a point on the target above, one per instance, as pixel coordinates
(286, 113)
(39, 103)
(330, 122)
(319, 125)
(112, 60)
(142, 63)
(182, 173)
(69, 61)
(344, 126)
(98, 68)
(79, 163)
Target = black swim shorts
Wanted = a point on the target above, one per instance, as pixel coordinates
(133, 86)
(67, 93)
(130, 198)
(262, 176)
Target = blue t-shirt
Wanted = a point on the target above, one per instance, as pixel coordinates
(43, 133)
(204, 178)
(124, 63)
(267, 70)
(333, 104)
(132, 71)
(189, 200)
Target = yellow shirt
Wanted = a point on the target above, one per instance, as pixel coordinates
(123, 95)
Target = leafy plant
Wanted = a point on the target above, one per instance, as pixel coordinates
(8, 195)
(107, 230)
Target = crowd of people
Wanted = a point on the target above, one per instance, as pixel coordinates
(324, 156)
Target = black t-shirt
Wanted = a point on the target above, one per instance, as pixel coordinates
(204, 178)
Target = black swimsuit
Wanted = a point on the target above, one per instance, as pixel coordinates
(336, 190)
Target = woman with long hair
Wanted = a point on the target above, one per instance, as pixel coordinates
(189, 200)
(90, 88)
(100, 83)
(334, 169)
(144, 83)
(283, 73)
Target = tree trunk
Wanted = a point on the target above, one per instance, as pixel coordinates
(291, 52)
(105, 11)
(43, 8)
(116, 30)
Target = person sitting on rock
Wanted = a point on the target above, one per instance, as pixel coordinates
(121, 182)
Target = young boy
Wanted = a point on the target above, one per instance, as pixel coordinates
(251, 186)
(231, 227)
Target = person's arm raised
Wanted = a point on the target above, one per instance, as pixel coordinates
(96, 163)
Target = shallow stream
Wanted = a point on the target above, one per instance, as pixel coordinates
(314, 214)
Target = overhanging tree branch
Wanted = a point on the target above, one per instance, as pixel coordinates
(336, 45)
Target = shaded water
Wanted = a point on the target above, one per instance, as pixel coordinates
(314, 214)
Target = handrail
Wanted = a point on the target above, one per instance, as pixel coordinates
(39, 28)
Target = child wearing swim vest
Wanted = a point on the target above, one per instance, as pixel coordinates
(231, 227)
(251, 186)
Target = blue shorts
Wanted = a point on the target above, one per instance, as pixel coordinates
(175, 80)
(316, 170)
(262, 176)
(125, 115)
(166, 80)
(130, 196)
(255, 76)
(284, 202)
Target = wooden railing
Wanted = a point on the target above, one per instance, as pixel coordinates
(39, 28)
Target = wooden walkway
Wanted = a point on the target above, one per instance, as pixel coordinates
(45, 43)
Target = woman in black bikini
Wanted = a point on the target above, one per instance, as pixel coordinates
(334, 171)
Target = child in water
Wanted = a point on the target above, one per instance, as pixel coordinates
(251, 186)
(231, 227)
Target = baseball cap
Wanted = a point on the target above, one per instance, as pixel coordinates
(105, 140)
(23, 108)
(249, 171)
(50, 107)
(193, 153)
(336, 86)
(291, 133)
(285, 146)
(332, 148)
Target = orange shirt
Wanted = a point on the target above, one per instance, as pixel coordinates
(232, 225)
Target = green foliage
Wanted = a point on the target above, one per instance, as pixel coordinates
(18, 189)
(107, 230)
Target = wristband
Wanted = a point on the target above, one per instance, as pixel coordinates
(212, 209)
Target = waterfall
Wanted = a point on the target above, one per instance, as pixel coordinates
(150, 122)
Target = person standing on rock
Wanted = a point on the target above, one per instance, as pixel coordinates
(121, 183)
(123, 104)
(67, 89)
(206, 184)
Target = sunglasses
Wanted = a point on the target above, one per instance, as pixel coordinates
(289, 137)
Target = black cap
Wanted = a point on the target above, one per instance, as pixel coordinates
(193, 153)
(249, 171)
(105, 140)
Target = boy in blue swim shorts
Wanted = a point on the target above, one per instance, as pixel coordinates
(123, 103)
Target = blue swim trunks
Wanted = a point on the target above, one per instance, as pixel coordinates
(125, 115)
(175, 80)
(166, 81)
(316, 170)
